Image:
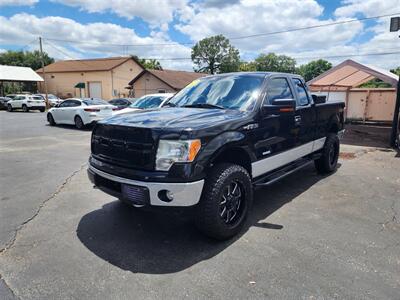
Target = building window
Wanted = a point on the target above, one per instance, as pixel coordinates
(161, 91)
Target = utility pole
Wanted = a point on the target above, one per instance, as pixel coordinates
(394, 27)
(43, 72)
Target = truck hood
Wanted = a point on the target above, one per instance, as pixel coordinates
(176, 118)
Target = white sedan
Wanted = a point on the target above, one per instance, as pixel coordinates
(80, 112)
(146, 102)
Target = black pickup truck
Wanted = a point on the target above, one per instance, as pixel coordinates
(213, 143)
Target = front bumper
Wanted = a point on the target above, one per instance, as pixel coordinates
(184, 194)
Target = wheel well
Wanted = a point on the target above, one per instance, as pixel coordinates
(334, 128)
(236, 156)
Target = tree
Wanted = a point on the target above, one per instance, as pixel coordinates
(314, 68)
(152, 64)
(396, 71)
(215, 55)
(275, 63)
(247, 66)
(25, 59)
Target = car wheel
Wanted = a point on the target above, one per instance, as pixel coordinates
(79, 123)
(225, 202)
(25, 108)
(9, 108)
(327, 163)
(50, 119)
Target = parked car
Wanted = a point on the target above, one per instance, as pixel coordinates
(79, 112)
(147, 102)
(26, 103)
(3, 102)
(122, 103)
(12, 96)
(53, 100)
(213, 143)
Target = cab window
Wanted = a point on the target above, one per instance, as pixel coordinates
(301, 92)
(278, 88)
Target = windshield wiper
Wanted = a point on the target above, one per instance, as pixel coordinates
(204, 105)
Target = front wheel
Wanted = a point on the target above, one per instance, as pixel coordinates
(327, 163)
(79, 123)
(225, 202)
(50, 119)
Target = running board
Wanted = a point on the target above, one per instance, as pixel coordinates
(283, 172)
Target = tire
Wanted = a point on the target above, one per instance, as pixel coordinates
(25, 108)
(50, 119)
(327, 163)
(79, 123)
(223, 209)
(9, 108)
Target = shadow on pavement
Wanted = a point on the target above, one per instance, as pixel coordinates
(168, 242)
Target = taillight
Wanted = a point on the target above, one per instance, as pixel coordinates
(91, 109)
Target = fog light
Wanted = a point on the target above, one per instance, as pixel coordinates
(165, 195)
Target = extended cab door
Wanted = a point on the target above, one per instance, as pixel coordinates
(275, 134)
(305, 117)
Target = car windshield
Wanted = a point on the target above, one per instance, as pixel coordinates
(95, 102)
(146, 102)
(236, 91)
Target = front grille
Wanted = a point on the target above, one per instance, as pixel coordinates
(124, 146)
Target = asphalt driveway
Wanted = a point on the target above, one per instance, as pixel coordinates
(308, 237)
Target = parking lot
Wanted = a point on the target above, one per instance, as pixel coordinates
(308, 237)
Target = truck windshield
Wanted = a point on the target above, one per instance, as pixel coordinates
(238, 92)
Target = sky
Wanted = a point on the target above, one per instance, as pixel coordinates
(167, 29)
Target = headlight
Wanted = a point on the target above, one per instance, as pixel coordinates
(171, 151)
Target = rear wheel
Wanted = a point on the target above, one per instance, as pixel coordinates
(9, 108)
(327, 163)
(25, 108)
(226, 201)
(79, 123)
(50, 119)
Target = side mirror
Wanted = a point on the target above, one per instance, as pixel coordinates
(318, 99)
(280, 106)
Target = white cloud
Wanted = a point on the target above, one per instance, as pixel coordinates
(248, 17)
(155, 12)
(98, 39)
(18, 2)
(368, 8)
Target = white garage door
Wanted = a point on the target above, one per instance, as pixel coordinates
(95, 89)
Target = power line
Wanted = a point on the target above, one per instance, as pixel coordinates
(295, 57)
(298, 57)
(231, 38)
(313, 26)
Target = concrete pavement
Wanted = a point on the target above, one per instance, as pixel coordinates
(309, 236)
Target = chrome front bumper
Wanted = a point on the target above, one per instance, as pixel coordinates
(184, 194)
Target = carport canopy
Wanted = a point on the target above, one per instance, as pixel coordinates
(14, 73)
(350, 74)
